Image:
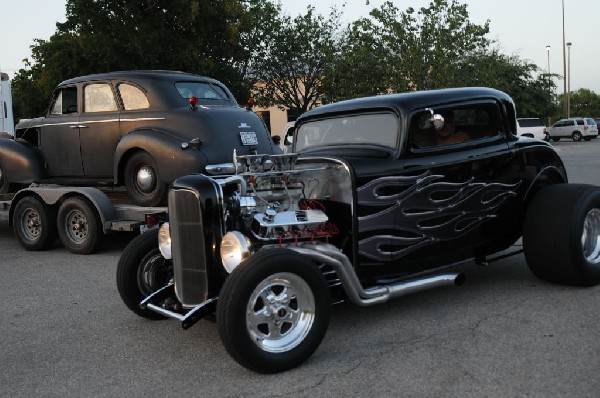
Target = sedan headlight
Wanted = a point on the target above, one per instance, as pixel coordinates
(235, 247)
(164, 240)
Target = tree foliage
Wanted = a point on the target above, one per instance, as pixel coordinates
(583, 102)
(291, 69)
(217, 38)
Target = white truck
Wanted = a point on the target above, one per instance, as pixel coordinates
(7, 122)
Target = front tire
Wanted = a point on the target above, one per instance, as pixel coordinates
(34, 224)
(141, 271)
(561, 236)
(142, 181)
(273, 311)
(79, 226)
(555, 139)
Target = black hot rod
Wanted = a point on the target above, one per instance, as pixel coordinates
(381, 197)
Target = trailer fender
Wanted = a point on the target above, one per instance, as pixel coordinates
(56, 194)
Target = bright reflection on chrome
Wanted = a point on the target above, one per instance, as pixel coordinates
(164, 240)
(235, 247)
(590, 239)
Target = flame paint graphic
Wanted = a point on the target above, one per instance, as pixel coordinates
(426, 211)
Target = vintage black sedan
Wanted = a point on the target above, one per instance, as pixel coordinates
(140, 129)
(382, 197)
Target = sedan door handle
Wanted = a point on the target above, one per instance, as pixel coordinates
(79, 126)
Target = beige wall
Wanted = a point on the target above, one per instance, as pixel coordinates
(278, 119)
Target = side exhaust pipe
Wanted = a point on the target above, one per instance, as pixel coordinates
(331, 256)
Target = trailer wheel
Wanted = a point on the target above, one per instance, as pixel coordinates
(561, 234)
(142, 182)
(34, 224)
(79, 229)
(141, 271)
(273, 311)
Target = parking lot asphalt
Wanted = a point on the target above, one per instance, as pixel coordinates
(65, 332)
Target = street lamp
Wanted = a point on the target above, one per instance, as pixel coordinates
(548, 51)
(564, 61)
(569, 78)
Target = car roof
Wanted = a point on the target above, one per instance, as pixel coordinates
(410, 100)
(141, 74)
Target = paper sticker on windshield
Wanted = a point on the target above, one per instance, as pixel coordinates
(248, 138)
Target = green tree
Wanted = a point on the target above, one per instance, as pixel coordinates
(583, 102)
(292, 66)
(217, 38)
(531, 90)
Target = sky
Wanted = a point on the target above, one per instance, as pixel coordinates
(520, 27)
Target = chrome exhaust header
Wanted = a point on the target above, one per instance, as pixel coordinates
(330, 255)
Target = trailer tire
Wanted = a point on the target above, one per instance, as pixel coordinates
(79, 228)
(141, 271)
(34, 224)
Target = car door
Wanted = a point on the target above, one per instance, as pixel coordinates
(99, 129)
(59, 134)
(456, 197)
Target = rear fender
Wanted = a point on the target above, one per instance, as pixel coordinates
(22, 161)
(165, 147)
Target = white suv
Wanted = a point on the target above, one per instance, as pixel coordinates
(532, 127)
(577, 128)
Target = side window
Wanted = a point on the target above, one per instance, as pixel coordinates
(461, 124)
(98, 97)
(580, 122)
(133, 98)
(64, 101)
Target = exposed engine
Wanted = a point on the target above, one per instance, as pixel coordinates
(273, 201)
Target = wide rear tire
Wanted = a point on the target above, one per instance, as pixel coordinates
(273, 311)
(561, 236)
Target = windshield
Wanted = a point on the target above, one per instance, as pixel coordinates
(372, 129)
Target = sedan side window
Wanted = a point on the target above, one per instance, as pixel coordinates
(133, 98)
(64, 101)
(98, 97)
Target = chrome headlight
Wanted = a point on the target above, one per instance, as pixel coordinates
(164, 240)
(235, 247)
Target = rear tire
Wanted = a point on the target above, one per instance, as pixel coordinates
(576, 136)
(561, 236)
(555, 139)
(34, 224)
(142, 181)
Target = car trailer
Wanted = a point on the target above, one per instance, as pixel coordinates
(78, 216)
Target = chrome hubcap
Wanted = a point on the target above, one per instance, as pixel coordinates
(280, 312)
(76, 226)
(590, 238)
(145, 178)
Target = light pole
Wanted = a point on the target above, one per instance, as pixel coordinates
(564, 62)
(548, 51)
(569, 78)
